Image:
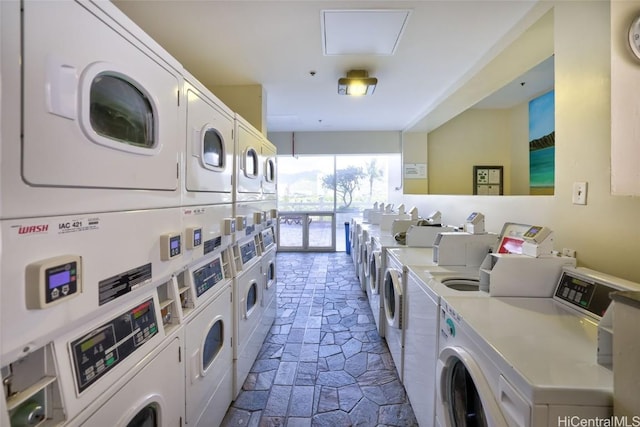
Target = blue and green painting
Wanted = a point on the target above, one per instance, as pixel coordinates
(542, 139)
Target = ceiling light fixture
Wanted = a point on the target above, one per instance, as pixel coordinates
(357, 83)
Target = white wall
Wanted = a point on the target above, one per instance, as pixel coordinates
(606, 232)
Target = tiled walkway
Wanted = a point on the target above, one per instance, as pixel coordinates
(323, 363)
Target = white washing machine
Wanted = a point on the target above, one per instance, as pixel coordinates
(269, 295)
(364, 265)
(151, 396)
(62, 271)
(209, 150)
(208, 351)
(491, 368)
(121, 366)
(248, 169)
(84, 129)
(422, 328)
(376, 276)
(248, 289)
(381, 243)
(393, 301)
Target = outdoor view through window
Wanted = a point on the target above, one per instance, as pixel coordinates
(318, 194)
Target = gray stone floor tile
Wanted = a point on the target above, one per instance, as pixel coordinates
(278, 403)
(323, 362)
(301, 401)
(298, 422)
(286, 373)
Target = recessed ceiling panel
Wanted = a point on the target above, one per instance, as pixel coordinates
(362, 32)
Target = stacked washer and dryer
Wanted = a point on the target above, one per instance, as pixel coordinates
(118, 224)
(254, 248)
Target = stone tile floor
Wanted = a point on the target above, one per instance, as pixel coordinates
(323, 362)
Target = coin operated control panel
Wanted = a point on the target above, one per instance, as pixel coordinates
(103, 348)
(170, 246)
(53, 280)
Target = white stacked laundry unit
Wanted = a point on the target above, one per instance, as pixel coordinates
(254, 245)
(206, 284)
(117, 203)
(90, 209)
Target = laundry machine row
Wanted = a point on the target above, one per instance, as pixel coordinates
(160, 357)
(131, 207)
(115, 128)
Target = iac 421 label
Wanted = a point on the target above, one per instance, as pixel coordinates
(76, 225)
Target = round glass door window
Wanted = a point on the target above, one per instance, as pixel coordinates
(465, 404)
(147, 417)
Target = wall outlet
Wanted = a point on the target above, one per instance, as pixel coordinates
(569, 252)
(579, 194)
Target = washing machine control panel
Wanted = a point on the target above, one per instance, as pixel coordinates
(103, 348)
(207, 276)
(53, 280)
(585, 294)
(248, 251)
(267, 238)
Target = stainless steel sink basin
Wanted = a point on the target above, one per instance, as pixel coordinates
(461, 284)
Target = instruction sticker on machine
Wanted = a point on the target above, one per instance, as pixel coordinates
(77, 225)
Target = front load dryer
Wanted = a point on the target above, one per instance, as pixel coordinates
(269, 172)
(209, 150)
(248, 169)
(94, 119)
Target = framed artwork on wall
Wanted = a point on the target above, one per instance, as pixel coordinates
(542, 141)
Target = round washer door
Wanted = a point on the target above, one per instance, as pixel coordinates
(464, 397)
(365, 259)
(149, 416)
(375, 264)
(393, 297)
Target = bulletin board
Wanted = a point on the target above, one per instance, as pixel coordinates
(487, 180)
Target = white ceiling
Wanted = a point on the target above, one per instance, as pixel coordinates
(279, 45)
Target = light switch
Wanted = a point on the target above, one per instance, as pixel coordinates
(579, 195)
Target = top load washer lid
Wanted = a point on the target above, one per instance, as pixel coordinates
(514, 334)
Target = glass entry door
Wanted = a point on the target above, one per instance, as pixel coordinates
(306, 231)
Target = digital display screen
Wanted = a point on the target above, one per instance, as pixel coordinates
(197, 234)
(472, 216)
(59, 279)
(532, 231)
(175, 242)
(141, 310)
(92, 342)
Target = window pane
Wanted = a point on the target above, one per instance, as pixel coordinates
(301, 186)
(320, 230)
